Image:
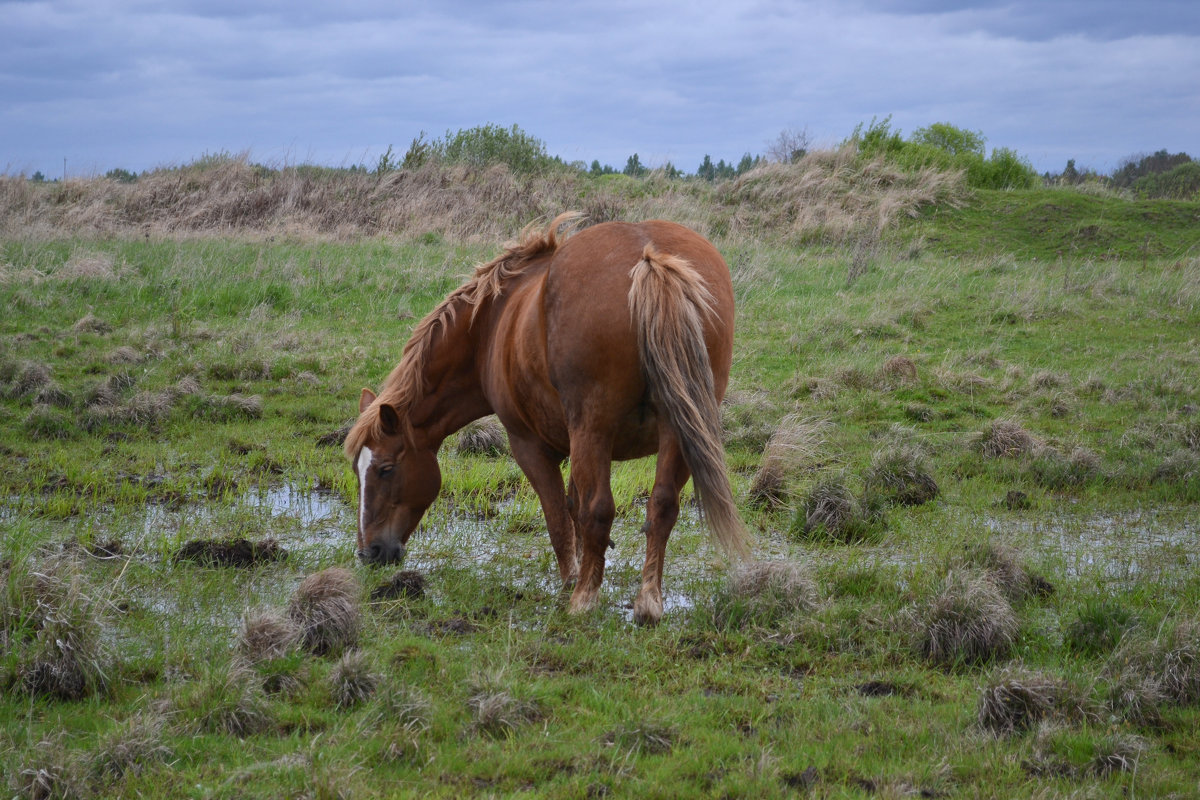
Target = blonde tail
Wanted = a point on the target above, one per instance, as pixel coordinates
(669, 302)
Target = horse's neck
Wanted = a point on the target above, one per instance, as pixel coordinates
(453, 394)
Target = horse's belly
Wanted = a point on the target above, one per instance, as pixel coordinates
(637, 436)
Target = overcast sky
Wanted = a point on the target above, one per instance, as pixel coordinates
(138, 84)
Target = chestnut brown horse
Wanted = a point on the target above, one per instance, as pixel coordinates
(612, 343)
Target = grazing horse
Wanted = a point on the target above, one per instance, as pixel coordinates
(611, 343)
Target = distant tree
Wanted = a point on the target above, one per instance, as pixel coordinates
(707, 170)
(387, 163)
(1141, 165)
(789, 146)
(1180, 183)
(724, 171)
(597, 169)
(634, 167)
(418, 153)
(1070, 175)
(38, 177)
(954, 141)
(748, 163)
(121, 175)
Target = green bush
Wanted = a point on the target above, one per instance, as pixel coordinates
(485, 145)
(943, 147)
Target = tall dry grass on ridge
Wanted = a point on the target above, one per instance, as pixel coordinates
(826, 195)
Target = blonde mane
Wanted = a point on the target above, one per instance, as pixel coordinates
(406, 383)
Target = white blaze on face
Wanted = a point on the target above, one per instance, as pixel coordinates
(363, 464)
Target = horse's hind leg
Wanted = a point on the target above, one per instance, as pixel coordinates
(662, 510)
(591, 505)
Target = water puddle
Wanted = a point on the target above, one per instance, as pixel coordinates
(1123, 547)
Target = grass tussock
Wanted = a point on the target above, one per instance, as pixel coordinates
(831, 512)
(53, 621)
(266, 635)
(901, 474)
(51, 773)
(1098, 627)
(644, 737)
(325, 609)
(225, 700)
(1006, 438)
(967, 622)
(496, 712)
(1018, 700)
(484, 437)
(1004, 566)
(132, 746)
(351, 680)
(795, 444)
(766, 594)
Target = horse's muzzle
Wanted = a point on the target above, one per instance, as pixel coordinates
(383, 553)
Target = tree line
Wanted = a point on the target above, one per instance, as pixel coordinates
(939, 146)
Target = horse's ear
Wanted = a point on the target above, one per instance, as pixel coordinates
(389, 420)
(365, 399)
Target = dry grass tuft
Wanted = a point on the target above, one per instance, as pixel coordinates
(325, 609)
(90, 323)
(1004, 566)
(1018, 700)
(484, 437)
(831, 511)
(266, 635)
(766, 593)
(87, 266)
(497, 713)
(26, 379)
(227, 701)
(901, 369)
(1117, 753)
(795, 443)
(132, 746)
(351, 681)
(52, 620)
(124, 355)
(407, 706)
(900, 473)
(1181, 664)
(969, 621)
(52, 774)
(1006, 438)
(748, 419)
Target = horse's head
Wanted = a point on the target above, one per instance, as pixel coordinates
(397, 482)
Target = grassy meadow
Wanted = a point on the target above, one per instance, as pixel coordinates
(964, 426)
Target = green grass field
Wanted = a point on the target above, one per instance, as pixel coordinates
(969, 448)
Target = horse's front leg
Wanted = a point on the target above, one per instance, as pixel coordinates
(541, 467)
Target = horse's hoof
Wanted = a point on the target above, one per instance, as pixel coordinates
(647, 613)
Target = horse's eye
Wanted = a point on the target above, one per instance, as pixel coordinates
(385, 470)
